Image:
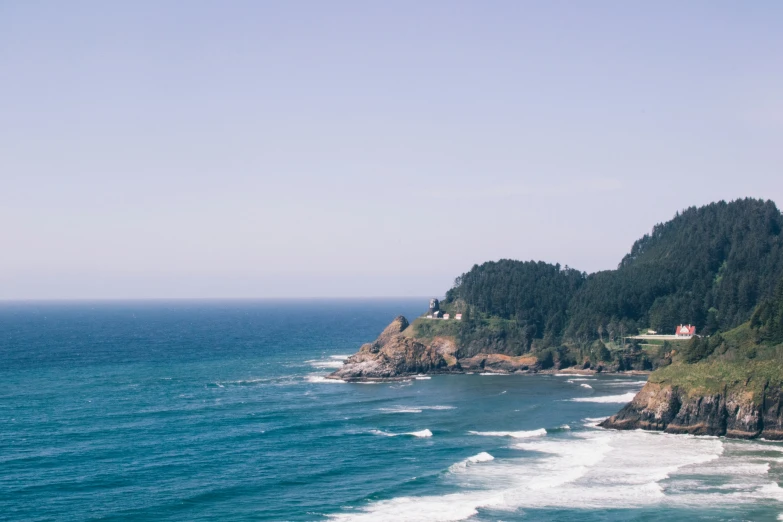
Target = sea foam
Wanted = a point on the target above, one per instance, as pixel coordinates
(421, 434)
(590, 469)
(414, 409)
(514, 434)
(320, 379)
(626, 397)
(325, 364)
(475, 459)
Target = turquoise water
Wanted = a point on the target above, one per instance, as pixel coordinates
(218, 410)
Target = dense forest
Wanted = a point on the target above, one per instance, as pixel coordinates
(710, 266)
(767, 320)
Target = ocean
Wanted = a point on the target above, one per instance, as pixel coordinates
(218, 410)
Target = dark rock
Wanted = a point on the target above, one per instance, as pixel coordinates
(734, 413)
(394, 355)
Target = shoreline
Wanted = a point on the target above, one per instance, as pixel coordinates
(405, 377)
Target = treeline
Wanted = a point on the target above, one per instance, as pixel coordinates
(767, 320)
(709, 266)
(534, 294)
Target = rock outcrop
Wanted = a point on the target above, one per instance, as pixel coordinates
(395, 355)
(734, 412)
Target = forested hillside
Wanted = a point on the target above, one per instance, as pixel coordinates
(709, 266)
(767, 320)
(535, 294)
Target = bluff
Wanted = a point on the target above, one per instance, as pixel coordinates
(716, 267)
(396, 353)
(730, 384)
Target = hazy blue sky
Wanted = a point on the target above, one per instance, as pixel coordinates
(258, 149)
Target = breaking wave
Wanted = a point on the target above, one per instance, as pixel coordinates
(421, 434)
(414, 409)
(589, 470)
(514, 434)
(626, 397)
(323, 379)
(325, 364)
(475, 459)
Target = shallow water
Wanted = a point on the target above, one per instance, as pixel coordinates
(219, 410)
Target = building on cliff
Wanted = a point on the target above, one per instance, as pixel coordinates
(685, 332)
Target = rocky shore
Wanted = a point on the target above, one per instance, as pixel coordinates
(736, 413)
(395, 354)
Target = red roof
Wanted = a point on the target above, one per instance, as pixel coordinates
(685, 330)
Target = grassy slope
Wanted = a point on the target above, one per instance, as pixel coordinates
(740, 362)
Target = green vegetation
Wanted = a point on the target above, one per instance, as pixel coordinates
(739, 358)
(767, 320)
(709, 266)
(534, 294)
(429, 328)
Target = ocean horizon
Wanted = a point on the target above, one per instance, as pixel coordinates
(195, 409)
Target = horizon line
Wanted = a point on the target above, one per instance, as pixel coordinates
(277, 298)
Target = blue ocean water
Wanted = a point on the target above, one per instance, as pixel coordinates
(209, 410)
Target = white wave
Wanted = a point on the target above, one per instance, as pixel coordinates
(591, 469)
(771, 490)
(583, 385)
(422, 377)
(339, 357)
(475, 459)
(446, 508)
(592, 422)
(746, 446)
(422, 433)
(325, 364)
(625, 383)
(400, 409)
(568, 374)
(582, 379)
(565, 427)
(492, 373)
(481, 457)
(384, 433)
(414, 409)
(514, 434)
(626, 397)
(321, 379)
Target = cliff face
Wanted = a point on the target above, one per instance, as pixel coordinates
(735, 412)
(395, 355)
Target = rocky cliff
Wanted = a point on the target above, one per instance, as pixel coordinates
(736, 411)
(396, 354)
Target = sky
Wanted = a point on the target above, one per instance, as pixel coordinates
(365, 149)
